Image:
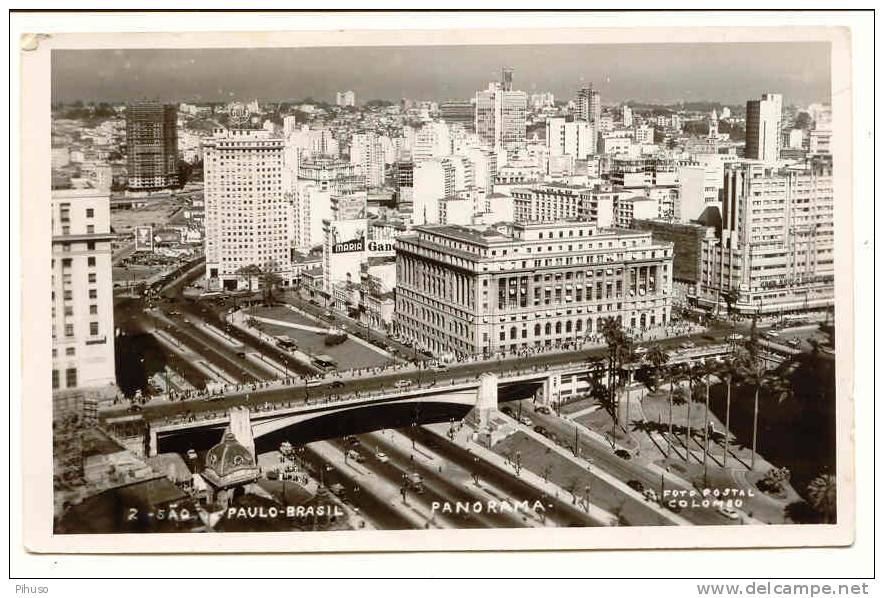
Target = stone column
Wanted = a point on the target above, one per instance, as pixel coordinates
(241, 427)
(486, 398)
(551, 386)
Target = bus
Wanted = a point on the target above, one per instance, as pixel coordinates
(325, 362)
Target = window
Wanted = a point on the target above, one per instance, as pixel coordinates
(91, 261)
(69, 330)
(93, 328)
(70, 376)
(55, 379)
(93, 309)
(69, 351)
(92, 277)
(90, 212)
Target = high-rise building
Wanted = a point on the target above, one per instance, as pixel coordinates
(776, 247)
(501, 116)
(82, 294)
(764, 119)
(589, 105)
(474, 291)
(627, 115)
(345, 98)
(247, 210)
(151, 145)
(367, 153)
(459, 112)
(434, 180)
(569, 138)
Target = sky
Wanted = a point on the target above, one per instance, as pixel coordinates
(729, 73)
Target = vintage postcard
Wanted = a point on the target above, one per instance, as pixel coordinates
(437, 290)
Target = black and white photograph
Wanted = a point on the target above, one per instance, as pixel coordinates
(420, 286)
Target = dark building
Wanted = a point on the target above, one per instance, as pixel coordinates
(151, 145)
(688, 245)
(459, 112)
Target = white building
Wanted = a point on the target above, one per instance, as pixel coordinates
(434, 180)
(501, 117)
(569, 138)
(764, 119)
(82, 293)
(367, 153)
(345, 98)
(248, 215)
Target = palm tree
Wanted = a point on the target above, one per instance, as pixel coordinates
(752, 371)
(730, 296)
(725, 373)
(613, 333)
(692, 374)
(270, 279)
(658, 358)
(675, 373)
(822, 493)
(706, 369)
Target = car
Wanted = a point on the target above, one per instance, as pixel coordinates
(403, 383)
(440, 367)
(687, 345)
(729, 512)
(191, 454)
(135, 409)
(350, 440)
(337, 384)
(525, 421)
(623, 454)
(650, 495)
(355, 456)
(640, 350)
(337, 489)
(794, 343)
(543, 409)
(381, 456)
(241, 354)
(636, 485)
(506, 411)
(540, 430)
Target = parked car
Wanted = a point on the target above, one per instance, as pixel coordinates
(402, 383)
(540, 430)
(636, 485)
(526, 421)
(623, 454)
(687, 345)
(355, 456)
(440, 366)
(337, 384)
(729, 512)
(650, 495)
(351, 440)
(382, 457)
(337, 489)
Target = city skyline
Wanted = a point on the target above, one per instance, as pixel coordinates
(694, 72)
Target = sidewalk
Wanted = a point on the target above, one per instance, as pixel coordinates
(463, 438)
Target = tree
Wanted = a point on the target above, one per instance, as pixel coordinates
(730, 297)
(250, 272)
(754, 372)
(726, 371)
(707, 369)
(658, 358)
(270, 280)
(692, 374)
(676, 374)
(822, 494)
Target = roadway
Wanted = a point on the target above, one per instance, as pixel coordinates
(601, 455)
(384, 379)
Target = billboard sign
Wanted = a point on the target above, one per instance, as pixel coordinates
(144, 238)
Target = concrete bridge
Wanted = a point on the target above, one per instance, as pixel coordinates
(477, 395)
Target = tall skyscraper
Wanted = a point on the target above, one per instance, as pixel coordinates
(82, 294)
(589, 105)
(776, 246)
(345, 98)
(501, 115)
(151, 145)
(248, 216)
(764, 119)
(506, 78)
(367, 153)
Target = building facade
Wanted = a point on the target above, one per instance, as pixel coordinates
(501, 117)
(467, 291)
(248, 217)
(82, 293)
(776, 247)
(151, 145)
(764, 119)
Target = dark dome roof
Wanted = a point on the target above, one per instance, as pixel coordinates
(229, 456)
